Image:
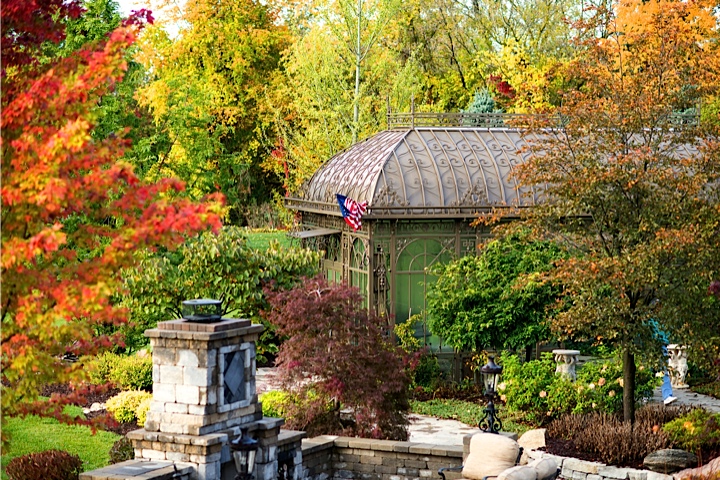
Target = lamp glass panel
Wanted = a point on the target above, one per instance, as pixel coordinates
(241, 460)
(251, 461)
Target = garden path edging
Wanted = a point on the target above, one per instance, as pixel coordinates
(576, 469)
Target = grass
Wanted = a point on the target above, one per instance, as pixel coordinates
(468, 413)
(34, 434)
(261, 240)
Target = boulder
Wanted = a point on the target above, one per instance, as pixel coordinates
(531, 440)
(709, 470)
(670, 460)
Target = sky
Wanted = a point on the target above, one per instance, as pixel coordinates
(126, 6)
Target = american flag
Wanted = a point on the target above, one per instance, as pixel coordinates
(351, 210)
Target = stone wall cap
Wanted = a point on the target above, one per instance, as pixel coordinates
(204, 335)
(268, 423)
(138, 434)
(199, 440)
(364, 443)
(290, 436)
(383, 445)
(210, 327)
(342, 442)
(316, 444)
(422, 448)
(207, 439)
(144, 469)
(157, 333)
(448, 451)
(402, 447)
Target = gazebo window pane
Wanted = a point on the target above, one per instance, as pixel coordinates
(333, 248)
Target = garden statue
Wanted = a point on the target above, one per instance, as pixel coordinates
(566, 361)
(678, 365)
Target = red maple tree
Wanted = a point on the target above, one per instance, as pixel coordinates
(337, 358)
(73, 213)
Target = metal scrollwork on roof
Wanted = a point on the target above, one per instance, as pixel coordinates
(430, 172)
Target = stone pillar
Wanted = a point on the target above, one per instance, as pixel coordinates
(677, 365)
(203, 394)
(566, 361)
(290, 459)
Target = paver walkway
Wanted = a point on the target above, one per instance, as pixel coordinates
(685, 396)
(426, 429)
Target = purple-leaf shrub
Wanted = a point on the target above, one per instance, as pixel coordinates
(345, 374)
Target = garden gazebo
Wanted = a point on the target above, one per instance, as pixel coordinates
(425, 179)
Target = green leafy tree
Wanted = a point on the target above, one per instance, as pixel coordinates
(99, 18)
(496, 299)
(334, 87)
(631, 191)
(337, 356)
(207, 95)
(463, 47)
(221, 266)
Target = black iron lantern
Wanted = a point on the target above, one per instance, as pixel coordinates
(244, 448)
(202, 310)
(491, 375)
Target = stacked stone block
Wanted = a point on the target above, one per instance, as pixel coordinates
(203, 394)
(194, 364)
(575, 469)
(358, 458)
(290, 455)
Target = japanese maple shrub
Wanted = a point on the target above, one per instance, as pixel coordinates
(336, 358)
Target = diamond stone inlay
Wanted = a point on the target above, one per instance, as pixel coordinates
(234, 377)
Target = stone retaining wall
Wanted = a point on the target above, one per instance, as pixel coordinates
(346, 458)
(575, 469)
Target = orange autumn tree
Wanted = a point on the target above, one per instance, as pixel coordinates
(73, 213)
(631, 185)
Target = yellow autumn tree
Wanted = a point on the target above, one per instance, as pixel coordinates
(207, 93)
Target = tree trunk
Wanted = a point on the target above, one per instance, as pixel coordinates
(628, 386)
(358, 61)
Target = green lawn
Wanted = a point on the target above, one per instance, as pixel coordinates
(261, 240)
(35, 434)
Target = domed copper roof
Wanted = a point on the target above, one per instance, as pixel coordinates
(423, 172)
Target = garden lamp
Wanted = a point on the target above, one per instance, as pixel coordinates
(244, 449)
(202, 310)
(491, 375)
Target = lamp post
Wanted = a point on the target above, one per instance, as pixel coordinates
(491, 374)
(244, 449)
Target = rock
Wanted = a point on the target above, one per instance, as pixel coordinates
(531, 440)
(94, 407)
(709, 470)
(669, 460)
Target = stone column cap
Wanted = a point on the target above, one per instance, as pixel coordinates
(566, 352)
